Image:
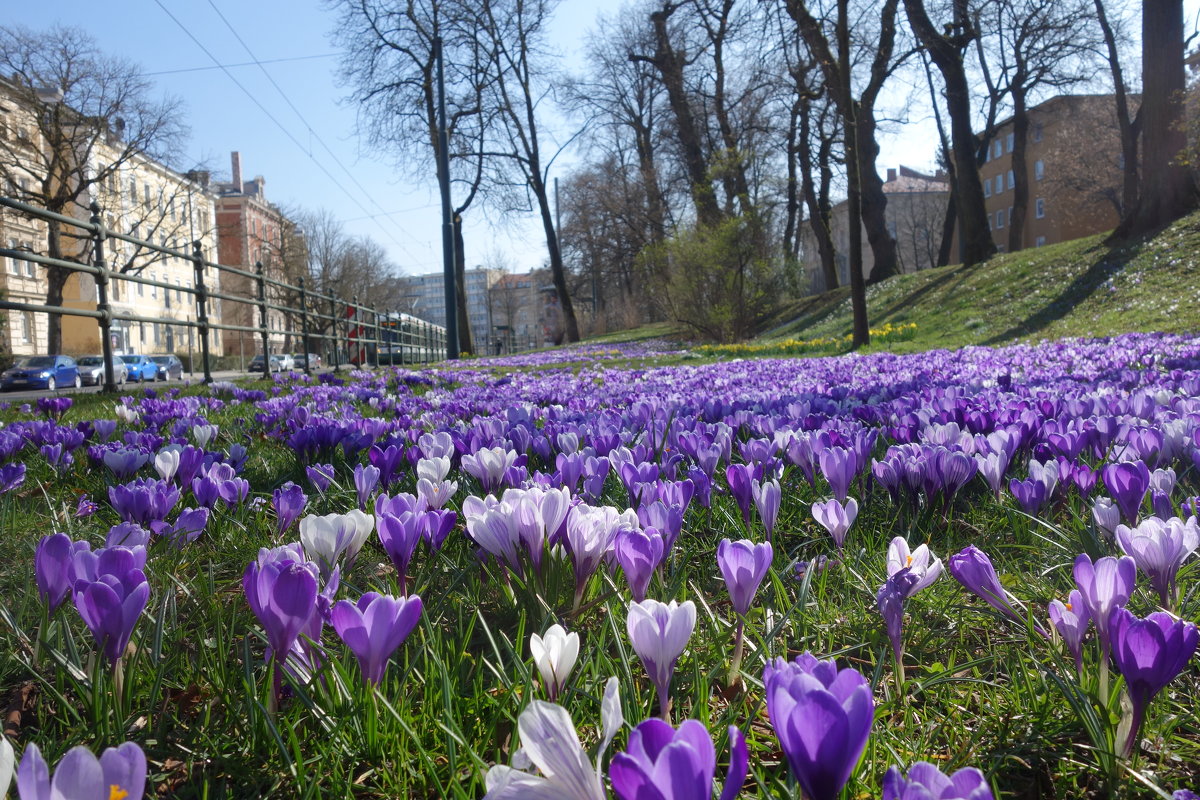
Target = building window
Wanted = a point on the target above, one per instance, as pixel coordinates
(116, 289)
(1012, 180)
(987, 187)
(998, 149)
(27, 327)
(153, 288)
(157, 333)
(13, 244)
(132, 190)
(1039, 208)
(146, 194)
(1039, 241)
(1039, 169)
(1037, 132)
(141, 290)
(1008, 141)
(142, 331)
(28, 263)
(1000, 219)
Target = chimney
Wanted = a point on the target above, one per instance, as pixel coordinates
(236, 158)
(891, 174)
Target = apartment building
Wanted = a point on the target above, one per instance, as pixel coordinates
(138, 196)
(524, 313)
(425, 297)
(1074, 166)
(916, 208)
(251, 230)
(151, 202)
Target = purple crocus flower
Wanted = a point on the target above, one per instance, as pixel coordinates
(1149, 653)
(399, 535)
(767, 497)
(110, 593)
(85, 507)
(1030, 494)
(836, 518)
(822, 717)
(1159, 548)
(920, 562)
(1128, 483)
(187, 527)
(374, 627)
(11, 476)
(890, 600)
(1104, 586)
(320, 476)
(127, 534)
(972, 568)
(120, 772)
(436, 526)
(489, 466)
(662, 762)
(659, 632)
(743, 564)
(1107, 517)
(144, 500)
(288, 501)
(639, 552)
(365, 481)
(839, 468)
(124, 463)
(740, 478)
(53, 568)
(281, 588)
(1072, 619)
(926, 782)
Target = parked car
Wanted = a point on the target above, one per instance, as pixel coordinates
(286, 361)
(256, 364)
(41, 372)
(91, 370)
(311, 360)
(141, 368)
(168, 367)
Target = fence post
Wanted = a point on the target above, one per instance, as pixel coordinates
(354, 333)
(262, 307)
(334, 333)
(105, 321)
(201, 307)
(304, 324)
(378, 339)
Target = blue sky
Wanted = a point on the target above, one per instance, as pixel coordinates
(302, 141)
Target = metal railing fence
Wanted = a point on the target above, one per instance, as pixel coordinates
(351, 331)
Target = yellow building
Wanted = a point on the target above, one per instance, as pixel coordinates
(151, 202)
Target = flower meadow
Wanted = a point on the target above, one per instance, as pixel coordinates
(947, 575)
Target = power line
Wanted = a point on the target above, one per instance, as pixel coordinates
(312, 132)
(242, 64)
(277, 123)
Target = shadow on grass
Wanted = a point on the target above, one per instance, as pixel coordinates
(1109, 261)
(960, 273)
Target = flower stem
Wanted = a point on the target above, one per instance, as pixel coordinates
(735, 666)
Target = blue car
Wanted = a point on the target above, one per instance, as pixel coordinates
(141, 368)
(41, 372)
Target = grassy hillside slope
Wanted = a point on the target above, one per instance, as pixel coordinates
(1079, 288)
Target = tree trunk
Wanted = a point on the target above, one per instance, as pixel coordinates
(538, 186)
(1128, 128)
(818, 212)
(466, 342)
(670, 66)
(1168, 190)
(974, 237)
(56, 281)
(874, 200)
(1020, 206)
(949, 223)
(861, 329)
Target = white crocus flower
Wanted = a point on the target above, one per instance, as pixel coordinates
(126, 414)
(166, 463)
(436, 493)
(327, 539)
(433, 470)
(555, 657)
(920, 563)
(550, 743)
(7, 760)
(203, 434)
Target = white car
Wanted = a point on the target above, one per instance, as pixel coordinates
(286, 361)
(91, 370)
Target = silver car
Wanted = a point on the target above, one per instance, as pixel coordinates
(91, 370)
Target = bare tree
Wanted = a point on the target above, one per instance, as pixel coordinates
(91, 115)
(947, 51)
(1168, 187)
(1130, 126)
(388, 60)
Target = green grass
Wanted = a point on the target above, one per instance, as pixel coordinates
(1077, 288)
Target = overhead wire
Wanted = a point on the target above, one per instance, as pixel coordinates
(288, 133)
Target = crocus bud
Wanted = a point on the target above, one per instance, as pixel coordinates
(554, 655)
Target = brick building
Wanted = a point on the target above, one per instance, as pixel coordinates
(250, 230)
